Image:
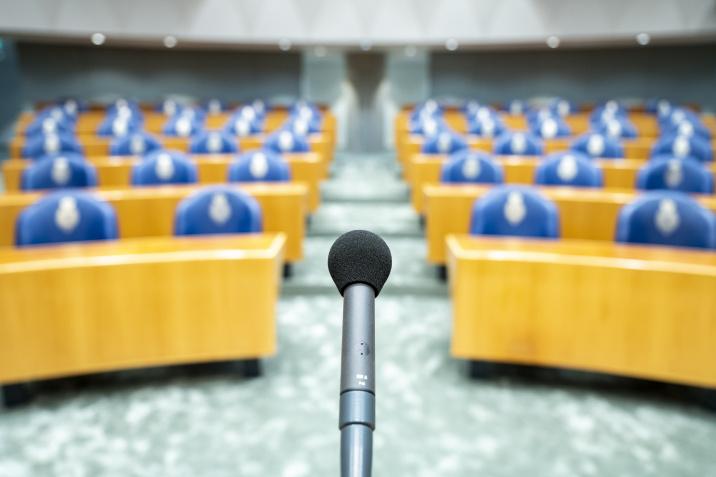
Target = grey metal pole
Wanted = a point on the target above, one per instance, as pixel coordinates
(357, 402)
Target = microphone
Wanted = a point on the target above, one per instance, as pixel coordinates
(359, 263)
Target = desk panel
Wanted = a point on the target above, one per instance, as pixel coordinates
(83, 308)
(647, 312)
(150, 211)
(585, 214)
(116, 171)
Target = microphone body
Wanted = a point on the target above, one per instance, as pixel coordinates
(359, 263)
(357, 399)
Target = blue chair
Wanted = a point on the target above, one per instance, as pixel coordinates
(287, 141)
(598, 145)
(218, 210)
(482, 113)
(259, 166)
(562, 107)
(47, 124)
(242, 127)
(670, 173)
(470, 107)
(569, 169)
(118, 126)
(444, 142)
(428, 109)
(518, 143)
(248, 113)
(72, 106)
(164, 167)
(660, 107)
(471, 167)
(617, 128)
(59, 171)
(304, 109)
(608, 110)
(261, 107)
(516, 106)
(303, 126)
(183, 125)
(213, 142)
(169, 107)
(682, 147)
(215, 106)
(428, 126)
(488, 127)
(121, 104)
(551, 127)
(515, 211)
(66, 216)
(44, 144)
(667, 218)
(136, 144)
(687, 128)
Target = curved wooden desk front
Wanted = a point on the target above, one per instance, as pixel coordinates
(647, 312)
(584, 214)
(116, 171)
(617, 173)
(150, 211)
(83, 308)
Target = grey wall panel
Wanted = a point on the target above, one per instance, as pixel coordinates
(686, 73)
(10, 88)
(50, 71)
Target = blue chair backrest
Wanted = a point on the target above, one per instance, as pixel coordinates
(303, 126)
(218, 210)
(609, 110)
(428, 108)
(487, 127)
(135, 144)
(444, 142)
(598, 145)
(118, 126)
(44, 144)
(49, 125)
(164, 167)
(287, 141)
(551, 127)
(516, 106)
(570, 168)
(259, 166)
(428, 126)
(687, 128)
(66, 216)
(518, 143)
(667, 218)
(59, 171)
(616, 127)
(670, 173)
(240, 126)
(215, 106)
(183, 125)
(562, 107)
(515, 211)
(471, 167)
(170, 107)
(682, 147)
(213, 142)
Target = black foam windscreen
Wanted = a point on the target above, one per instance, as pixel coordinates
(359, 256)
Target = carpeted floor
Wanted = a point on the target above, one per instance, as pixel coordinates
(432, 419)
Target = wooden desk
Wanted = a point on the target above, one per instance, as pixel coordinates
(647, 312)
(584, 214)
(96, 146)
(150, 211)
(84, 308)
(116, 171)
(617, 173)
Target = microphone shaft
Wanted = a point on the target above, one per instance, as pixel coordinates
(357, 402)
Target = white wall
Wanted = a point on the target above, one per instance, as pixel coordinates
(382, 22)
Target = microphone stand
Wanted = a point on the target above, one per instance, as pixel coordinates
(357, 401)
